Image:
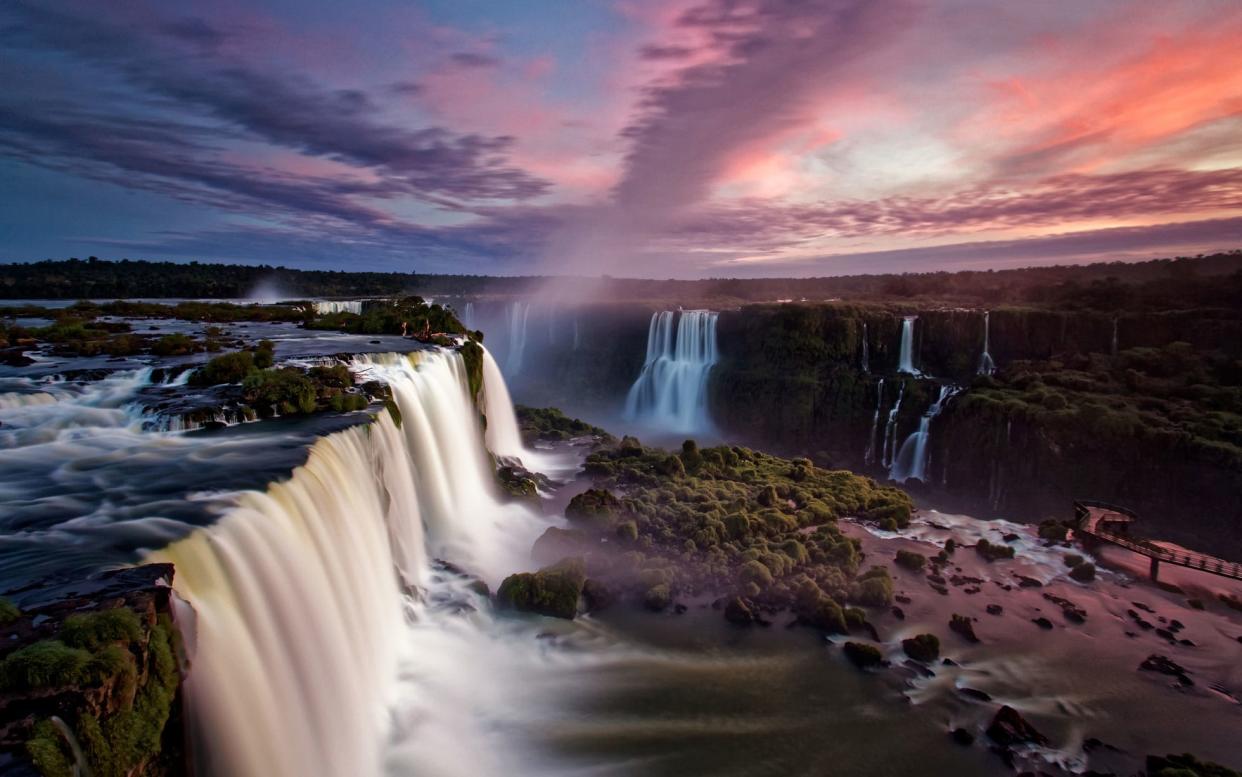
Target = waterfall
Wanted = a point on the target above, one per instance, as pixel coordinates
(671, 390)
(469, 317)
(1114, 345)
(519, 316)
(890, 428)
(323, 307)
(986, 365)
(911, 461)
(905, 359)
(869, 454)
(301, 609)
(866, 351)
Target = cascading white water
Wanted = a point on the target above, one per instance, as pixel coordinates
(869, 453)
(1114, 342)
(866, 350)
(323, 307)
(905, 356)
(986, 365)
(519, 317)
(671, 391)
(468, 319)
(300, 591)
(890, 429)
(911, 461)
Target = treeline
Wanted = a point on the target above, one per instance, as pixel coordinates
(97, 279)
(1201, 281)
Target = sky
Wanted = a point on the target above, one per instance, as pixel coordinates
(651, 138)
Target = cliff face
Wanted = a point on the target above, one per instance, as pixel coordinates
(90, 678)
(1064, 418)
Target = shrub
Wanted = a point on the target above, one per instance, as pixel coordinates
(95, 629)
(227, 368)
(923, 647)
(910, 560)
(49, 663)
(992, 551)
(287, 390)
(874, 588)
(1083, 573)
(8, 612)
(863, 656)
(755, 572)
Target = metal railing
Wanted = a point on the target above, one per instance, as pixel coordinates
(1189, 559)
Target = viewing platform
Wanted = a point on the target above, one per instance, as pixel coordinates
(1103, 522)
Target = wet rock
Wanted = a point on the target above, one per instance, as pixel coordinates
(902, 599)
(863, 656)
(962, 625)
(1028, 582)
(597, 596)
(995, 609)
(1166, 666)
(1042, 622)
(658, 597)
(1009, 728)
(1071, 611)
(556, 543)
(552, 591)
(737, 611)
(898, 613)
(962, 737)
(923, 647)
(975, 693)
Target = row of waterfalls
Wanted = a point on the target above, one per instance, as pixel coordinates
(671, 390)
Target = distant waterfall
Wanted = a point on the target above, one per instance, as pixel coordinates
(671, 390)
(890, 429)
(911, 461)
(519, 317)
(986, 365)
(323, 307)
(1114, 344)
(866, 351)
(300, 593)
(469, 317)
(905, 358)
(869, 454)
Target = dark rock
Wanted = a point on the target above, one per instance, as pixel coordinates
(962, 625)
(680, 609)
(1042, 622)
(1165, 665)
(1008, 728)
(975, 693)
(1071, 611)
(898, 613)
(737, 611)
(962, 737)
(902, 599)
(863, 656)
(596, 595)
(923, 647)
(556, 543)
(658, 597)
(995, 609)
(1028, 582)
(551, 591)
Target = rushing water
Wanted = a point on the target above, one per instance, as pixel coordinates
(986, 365)
(866, 350)
(869, 453)
(905, 355)
(326, 306)
(671, 391)
(912, 459)
(890, 429)
(519, 319)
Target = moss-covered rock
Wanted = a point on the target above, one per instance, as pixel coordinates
(922, 647)
(862, 655)
(553, 590)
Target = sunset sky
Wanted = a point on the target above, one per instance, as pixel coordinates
(630, 137)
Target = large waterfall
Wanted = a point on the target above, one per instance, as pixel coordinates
(671, 390)
(911, 461)
(869, 453)
(302, 593)
(326, 306)
(905, 357)
(519, 318)
(986, 365)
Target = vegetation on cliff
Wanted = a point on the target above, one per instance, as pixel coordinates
(730, 522)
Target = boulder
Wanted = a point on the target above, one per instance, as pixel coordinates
(1008, 728)
(924, 647)
(552, 591)
(863, 656)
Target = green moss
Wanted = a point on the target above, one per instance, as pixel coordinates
(288, 390)
(992, 551)
(472, 354)
(8, 612)
(922, 647)
(553, 590)
(594, 508)
(227, 368)
(49, 752)
(44, 664)
(910, 560)
(95, 629)
(1186, 765)
(863, 656)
